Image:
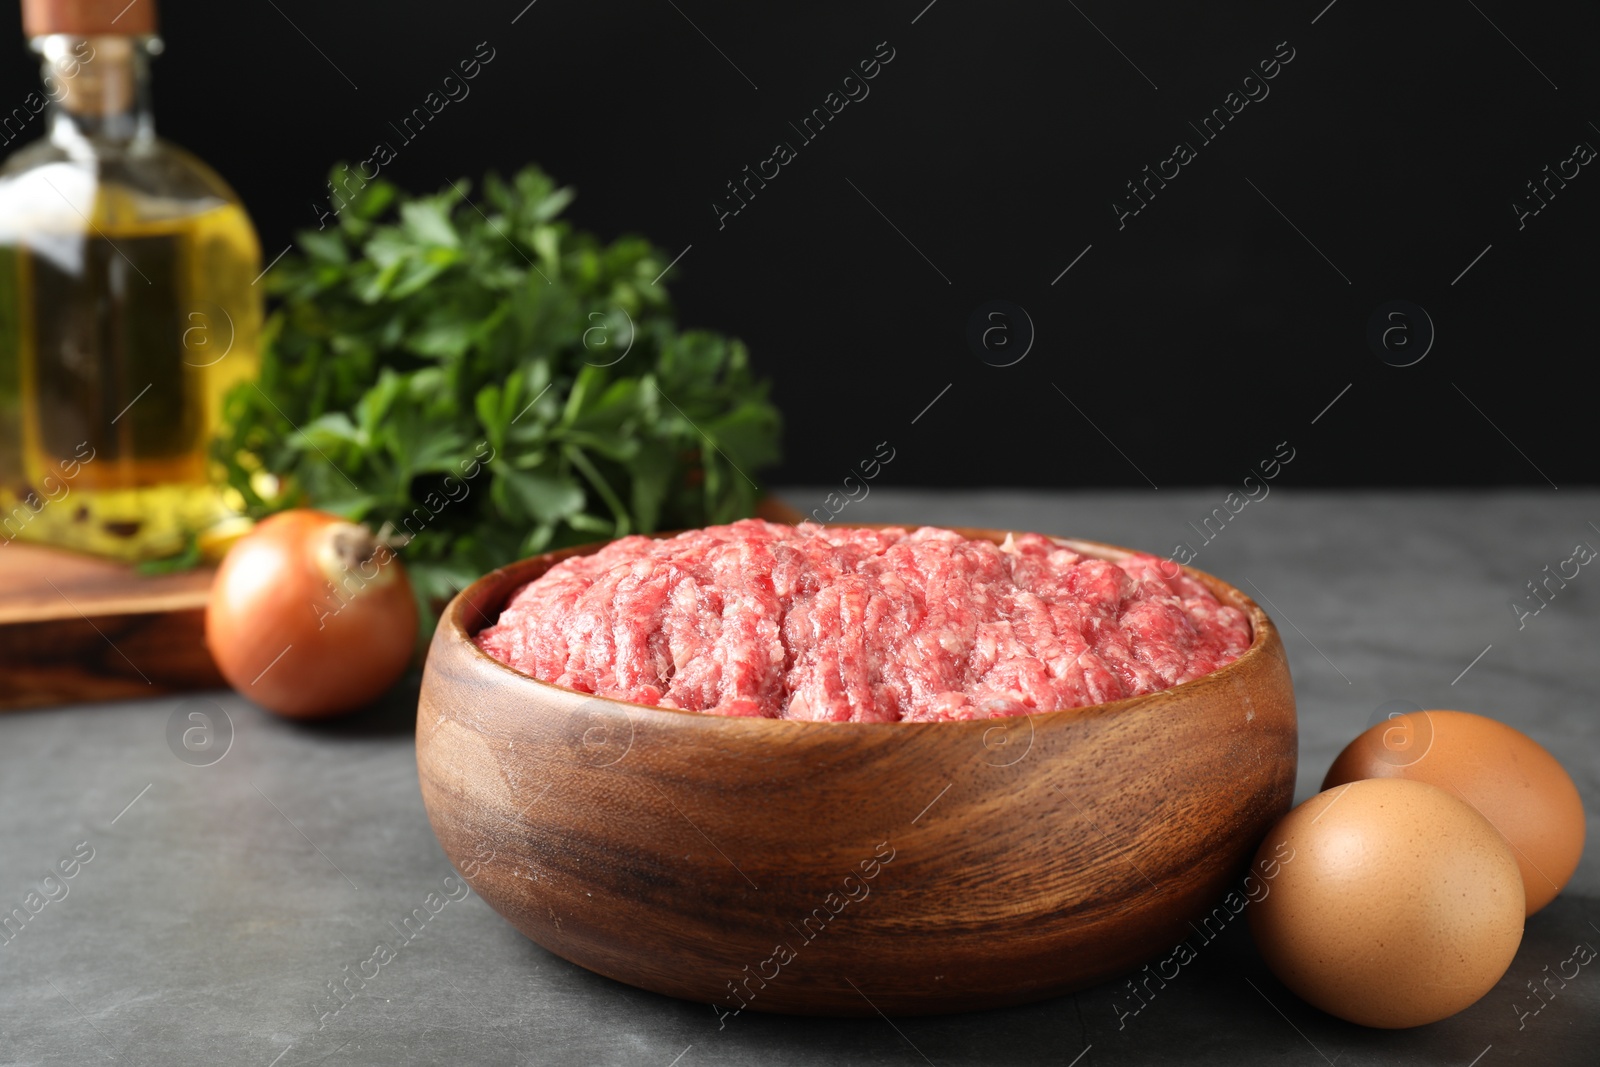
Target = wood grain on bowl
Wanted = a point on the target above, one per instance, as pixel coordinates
(846, 868)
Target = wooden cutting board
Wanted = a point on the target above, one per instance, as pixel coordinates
(75, 629)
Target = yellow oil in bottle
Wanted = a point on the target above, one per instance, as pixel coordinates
(125, 339)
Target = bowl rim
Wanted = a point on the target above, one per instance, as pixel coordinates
(456, 629)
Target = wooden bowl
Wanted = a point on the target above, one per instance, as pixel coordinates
(848, 868)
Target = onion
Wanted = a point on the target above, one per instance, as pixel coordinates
(310, 615)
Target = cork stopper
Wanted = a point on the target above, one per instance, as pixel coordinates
(88, 18)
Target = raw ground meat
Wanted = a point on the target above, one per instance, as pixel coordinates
(848, 625)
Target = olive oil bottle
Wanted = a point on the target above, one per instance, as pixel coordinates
(128, 303)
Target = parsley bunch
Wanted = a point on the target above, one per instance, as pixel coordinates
(455, 368)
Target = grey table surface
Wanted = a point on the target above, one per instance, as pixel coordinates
(220, 901)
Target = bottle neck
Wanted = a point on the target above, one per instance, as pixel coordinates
(99, 89)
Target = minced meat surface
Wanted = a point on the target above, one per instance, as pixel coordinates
(847, 625)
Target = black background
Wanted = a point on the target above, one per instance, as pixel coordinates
(1190, 342)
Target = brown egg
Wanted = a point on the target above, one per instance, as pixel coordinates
(1393, 904)
(1505, 774)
